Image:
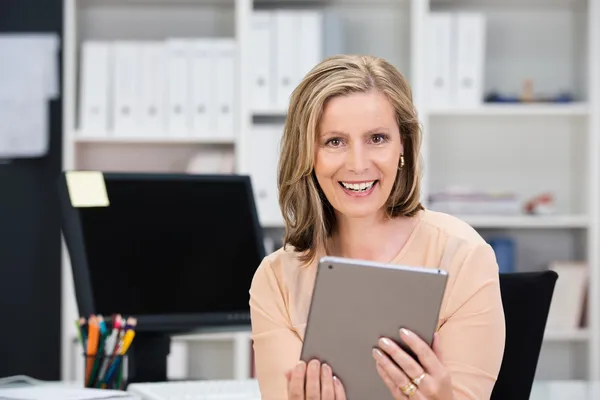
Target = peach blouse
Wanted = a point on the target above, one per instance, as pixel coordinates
(471, 323)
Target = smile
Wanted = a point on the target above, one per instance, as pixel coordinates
(358, 187)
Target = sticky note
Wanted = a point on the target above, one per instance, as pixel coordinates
(87, 189)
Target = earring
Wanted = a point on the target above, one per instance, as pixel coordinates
(401, 162)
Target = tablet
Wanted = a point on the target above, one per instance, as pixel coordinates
(356, 302)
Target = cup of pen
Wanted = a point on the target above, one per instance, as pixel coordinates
(103, 371)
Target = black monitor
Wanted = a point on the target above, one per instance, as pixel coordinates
(176, 251)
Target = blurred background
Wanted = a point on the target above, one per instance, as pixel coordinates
(508, 93)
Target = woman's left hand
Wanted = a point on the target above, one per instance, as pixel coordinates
(427, 379)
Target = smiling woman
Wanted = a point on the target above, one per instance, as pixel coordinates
(349, 186)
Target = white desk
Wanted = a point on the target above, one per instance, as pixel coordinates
(565, 390)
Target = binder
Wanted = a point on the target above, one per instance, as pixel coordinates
(263, 36)
(96, 61)
(440, 51)
(225, 57)
(264, 155)
(203, 88)
(310, 40)
(178, 87)
(470, 58)
(287, 26)
(151, 94)
(125, 87)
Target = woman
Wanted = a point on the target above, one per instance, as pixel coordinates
(349, 177)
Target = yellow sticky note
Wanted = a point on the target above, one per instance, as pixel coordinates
(87, 189)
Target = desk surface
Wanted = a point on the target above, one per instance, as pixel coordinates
(565, 390)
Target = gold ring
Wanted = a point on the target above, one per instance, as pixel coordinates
(418, 379)
(409, 389)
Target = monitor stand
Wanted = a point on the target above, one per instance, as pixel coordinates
(147, 357)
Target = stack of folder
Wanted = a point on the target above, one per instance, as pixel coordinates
(177, 88)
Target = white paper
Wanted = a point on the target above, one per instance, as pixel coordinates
(28, 80)
(33, 53)
(23, 128)
(62, 393)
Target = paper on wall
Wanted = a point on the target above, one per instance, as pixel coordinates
(28, 81)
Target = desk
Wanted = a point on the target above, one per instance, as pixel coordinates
(565, 390)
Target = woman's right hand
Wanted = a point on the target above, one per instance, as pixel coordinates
(314, 382)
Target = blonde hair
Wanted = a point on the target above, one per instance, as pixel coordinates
(308, 215)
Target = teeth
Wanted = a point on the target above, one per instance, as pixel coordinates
(358, 187)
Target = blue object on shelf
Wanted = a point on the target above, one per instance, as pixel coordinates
(505, 253)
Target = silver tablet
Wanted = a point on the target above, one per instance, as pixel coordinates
(354, 303)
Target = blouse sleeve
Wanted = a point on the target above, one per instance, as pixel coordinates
(276, 345)
(472, 337)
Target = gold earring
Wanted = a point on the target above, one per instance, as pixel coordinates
(401, 162)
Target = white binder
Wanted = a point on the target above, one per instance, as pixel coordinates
(470, 58)
(263, 37)
(203, 88)
(264, 155)
(151, 93)
(178, 87)
(311, 41)
(287, 26)
(94, 88)
(126, 80)
(439, 64)
(225, 54)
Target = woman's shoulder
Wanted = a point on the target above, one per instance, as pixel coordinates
(282, 265)
(452, 244)
(446, 226)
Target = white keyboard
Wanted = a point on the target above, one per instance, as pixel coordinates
(197, 390)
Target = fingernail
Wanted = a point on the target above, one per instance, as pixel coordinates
(386, 342)
(326, 370)
(300, 366)
(377, 353)
(405, 332)
(336, 381)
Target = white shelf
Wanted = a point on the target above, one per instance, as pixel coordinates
(526, 221)
(578, 335)
(524, 148)
(530, 109)
(158, 139)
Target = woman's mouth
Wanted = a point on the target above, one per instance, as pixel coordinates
(358, 188)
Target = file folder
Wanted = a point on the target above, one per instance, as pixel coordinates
(203, 88)
(440, 51)
(94, 106)
(470, 58)
(152, 89)
(126, 65)
(178, 87)
(263, 36)
(225, 66)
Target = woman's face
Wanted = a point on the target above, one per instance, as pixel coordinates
(357, 153)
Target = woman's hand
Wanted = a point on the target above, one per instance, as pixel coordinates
(431, 381)
(314, 381)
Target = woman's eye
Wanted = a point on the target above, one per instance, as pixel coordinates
(378, 138)
(335, 142)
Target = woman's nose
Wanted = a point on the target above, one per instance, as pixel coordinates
(357, 161)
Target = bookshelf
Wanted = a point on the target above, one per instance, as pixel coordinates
(526, 148)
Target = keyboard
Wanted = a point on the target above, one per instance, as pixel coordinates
(197, 390)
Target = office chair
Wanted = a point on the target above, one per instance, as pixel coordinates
(526, 299)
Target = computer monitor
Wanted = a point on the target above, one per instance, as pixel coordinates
(176, 251)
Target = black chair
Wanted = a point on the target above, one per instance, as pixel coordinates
(526, 298)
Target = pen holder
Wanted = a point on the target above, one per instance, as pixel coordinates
(103, 372)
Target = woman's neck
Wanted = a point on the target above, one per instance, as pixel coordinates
(369, 238)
